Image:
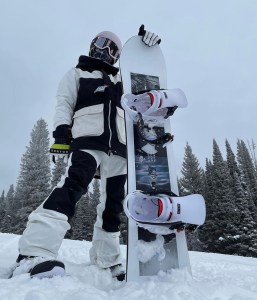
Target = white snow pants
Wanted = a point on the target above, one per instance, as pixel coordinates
(47, 225)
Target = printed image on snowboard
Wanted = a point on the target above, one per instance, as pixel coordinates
(142, 82)
(152, 172)
(152, 176)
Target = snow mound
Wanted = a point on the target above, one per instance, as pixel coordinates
(215, 277)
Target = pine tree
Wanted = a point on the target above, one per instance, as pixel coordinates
(9, 210)
(222, 217)
(236, 175)
(33, 184)
(247, 171)
(81, 223)
(246, 234)
(2, 209)
(2, 197)
(206, 231)
(246, 237)
(95, 195)
(192, 180)
(94, 200)
(231, 161)
(252, 147)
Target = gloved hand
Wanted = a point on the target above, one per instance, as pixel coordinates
(59, 151)
(61, 146)
(149, 38)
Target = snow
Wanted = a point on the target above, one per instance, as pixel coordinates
(145, 253)
(214, 277)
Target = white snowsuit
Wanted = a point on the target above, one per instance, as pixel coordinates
(88, 100)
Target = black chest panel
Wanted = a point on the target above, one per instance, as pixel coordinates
(87, 95)
(93, 91)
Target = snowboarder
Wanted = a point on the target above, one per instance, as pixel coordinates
(89, 129)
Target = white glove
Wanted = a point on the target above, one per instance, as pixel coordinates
(149, 38)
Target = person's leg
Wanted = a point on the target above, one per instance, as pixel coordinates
(105, 251)
(48, 224)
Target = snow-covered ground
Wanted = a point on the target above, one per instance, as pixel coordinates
(215, 277)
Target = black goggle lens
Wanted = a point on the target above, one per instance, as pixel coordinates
(104, 43)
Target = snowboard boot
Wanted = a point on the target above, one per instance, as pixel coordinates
(118, 272)
(39, 267)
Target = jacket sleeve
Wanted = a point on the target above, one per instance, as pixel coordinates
(66, 99)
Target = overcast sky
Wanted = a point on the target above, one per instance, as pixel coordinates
(210, 49)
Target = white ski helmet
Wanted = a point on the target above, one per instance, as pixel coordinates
(106, 46)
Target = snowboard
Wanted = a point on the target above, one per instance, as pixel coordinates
(151, 248)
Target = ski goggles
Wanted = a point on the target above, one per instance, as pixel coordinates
(105, 43)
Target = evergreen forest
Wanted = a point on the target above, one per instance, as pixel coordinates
(227, 182)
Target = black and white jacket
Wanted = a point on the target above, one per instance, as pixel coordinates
(88, 100)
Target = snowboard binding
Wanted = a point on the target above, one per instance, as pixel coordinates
(147, 209)
(153, 104)
(180, 213)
